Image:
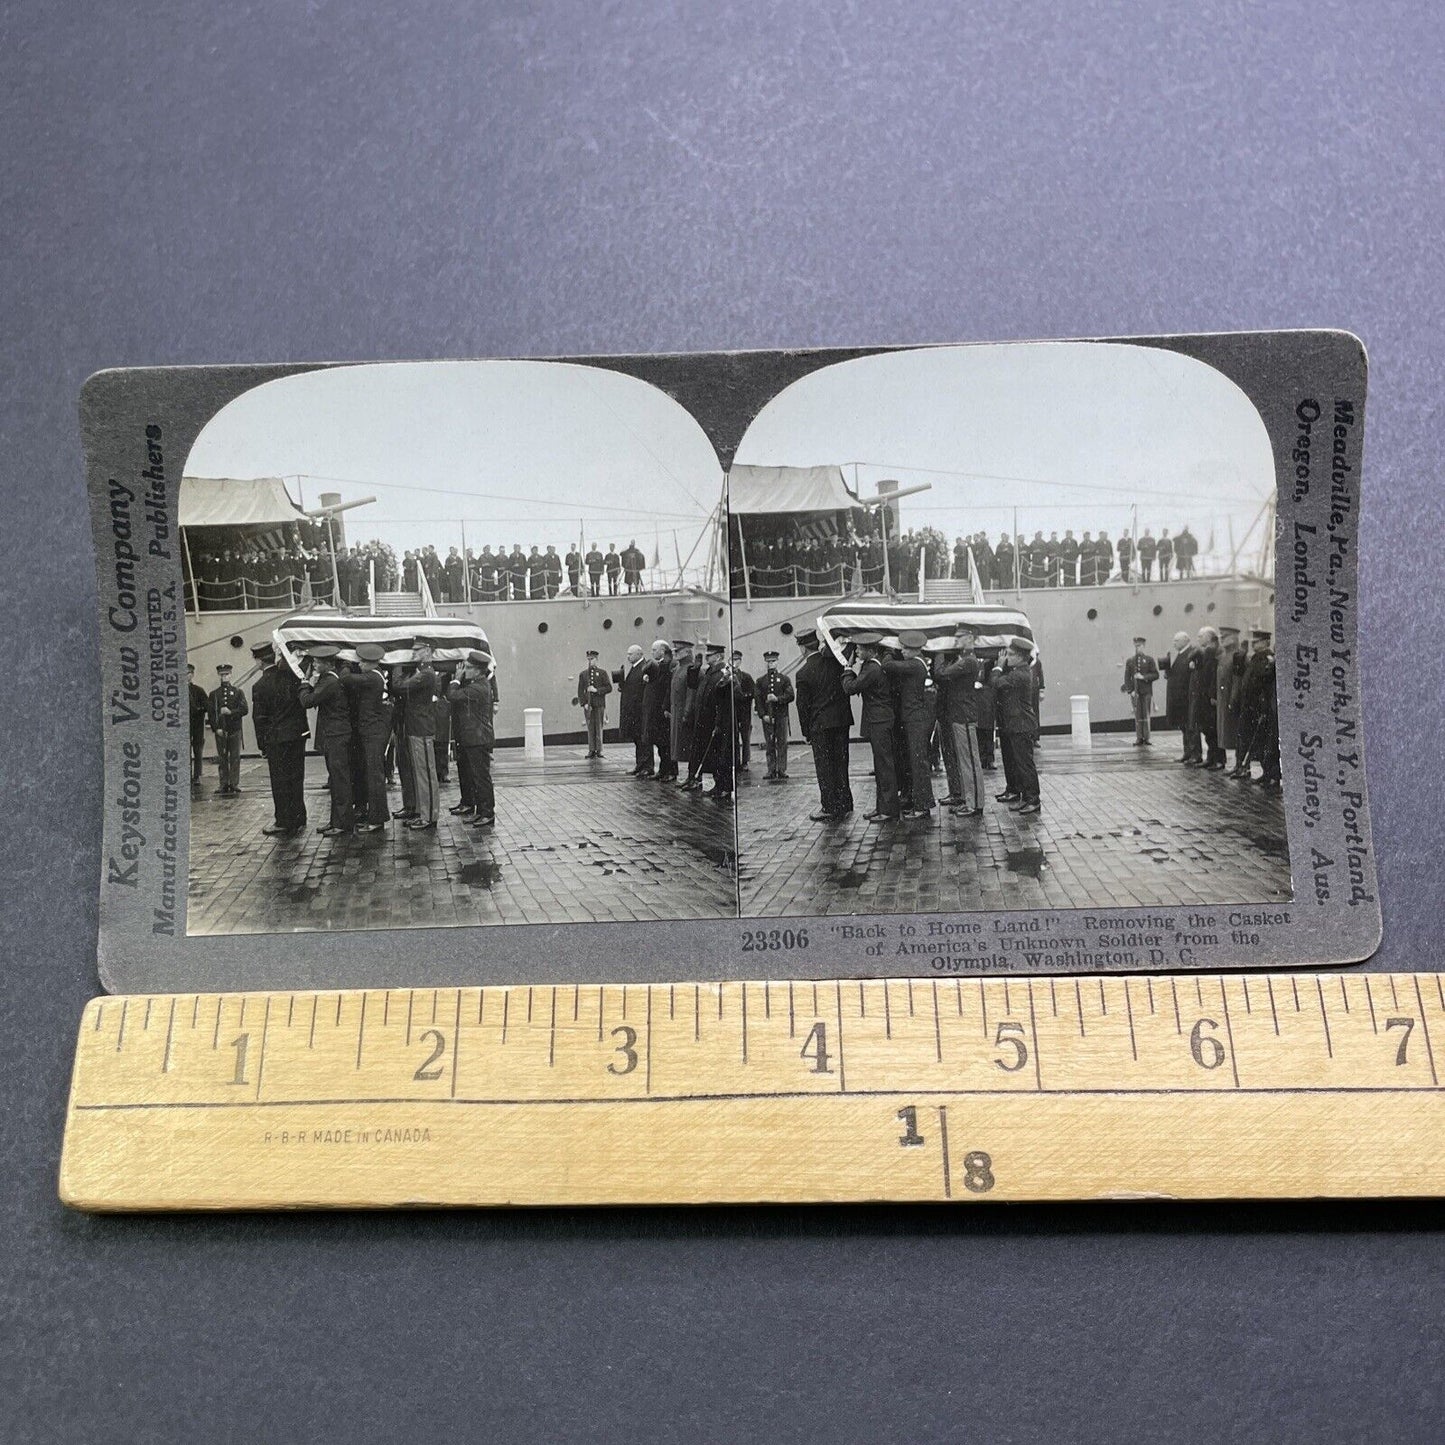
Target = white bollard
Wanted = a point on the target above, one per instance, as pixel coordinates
(1079, 721)
(532, 733)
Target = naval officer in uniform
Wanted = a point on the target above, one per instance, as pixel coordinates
(593, 685)
(323, 691)
(280, 722)
(774, 691)
(224, 710)
(865, 677)
(366, 691)
(825, 718)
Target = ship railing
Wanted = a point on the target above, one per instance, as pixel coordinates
(254, 594)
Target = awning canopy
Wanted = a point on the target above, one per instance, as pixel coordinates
(788, 489)
(236, 502)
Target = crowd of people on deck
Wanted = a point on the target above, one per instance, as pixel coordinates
(1219, 693)
(795, 561)
(287, 567)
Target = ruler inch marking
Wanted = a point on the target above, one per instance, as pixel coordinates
(647, 1052)
(1129, 1012)
(1034, 1034)
(842, 1071)
(1424, 1024)
(457, 1042)
(943, 1149)
(1228, 1029)
(551, 1036)
(745, 1022)
(261, 1056)
(170, 1030)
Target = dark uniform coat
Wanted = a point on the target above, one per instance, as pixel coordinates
(958, 690)
(657, 703)
(780, 685)
(471, 705)
(822, 703)
(327, 695)
(1175, 667)
(871, 683)
(276, 709)
(1015, 701)
(629, 686)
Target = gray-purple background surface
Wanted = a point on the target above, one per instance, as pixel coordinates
(251, 182)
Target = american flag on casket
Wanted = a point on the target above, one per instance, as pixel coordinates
(995, 626)
(451, 638)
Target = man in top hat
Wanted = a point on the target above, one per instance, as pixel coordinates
(958, 686)
(708, 720)
(371, 722)
(825, 718)
(917, 704)
(1256, 695)
(593, 685)
(683, 706)
(470, 696)
(1174, 666)
(1202, 729)
(280, 722)
(225, 708)
(1231, 669)
(657, 710)
(1141, 672)
(774, 694)
(323, 690)
(1016, 708)
(864, 676)
(746, 692)
(630, 681)
(200, 705)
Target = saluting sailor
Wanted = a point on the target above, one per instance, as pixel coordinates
(323, 691)
(367, 691)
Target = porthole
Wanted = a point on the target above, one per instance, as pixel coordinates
(1092, 614)
(541, 627)
(606, 623)
(786, 629)
(1188, 608)
(1158, 610)
(238, 642)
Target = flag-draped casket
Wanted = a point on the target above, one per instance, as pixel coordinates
(996, 627)
(451, 638)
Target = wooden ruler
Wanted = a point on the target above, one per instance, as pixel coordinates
(1239, 1086)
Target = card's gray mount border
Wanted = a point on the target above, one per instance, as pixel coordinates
(724, 392)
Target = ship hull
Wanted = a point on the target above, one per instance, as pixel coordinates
(1084, 635)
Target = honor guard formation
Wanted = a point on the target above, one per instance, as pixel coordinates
(373, 726)
(684, 708)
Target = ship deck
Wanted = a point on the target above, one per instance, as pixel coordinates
(1121, 827)
(580, 842)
